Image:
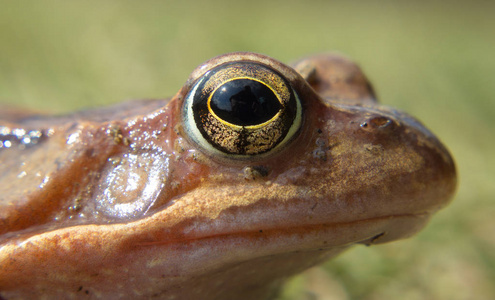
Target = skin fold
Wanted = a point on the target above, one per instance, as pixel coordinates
(121, 203)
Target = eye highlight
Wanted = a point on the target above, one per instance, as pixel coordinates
(241, 109)
(244, 102)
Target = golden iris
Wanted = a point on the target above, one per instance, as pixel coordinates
(241, 109)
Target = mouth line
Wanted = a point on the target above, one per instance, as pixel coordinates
(280, 233)
(297, 238)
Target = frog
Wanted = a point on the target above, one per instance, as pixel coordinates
(253, 172)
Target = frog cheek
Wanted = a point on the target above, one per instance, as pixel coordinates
(241, 110)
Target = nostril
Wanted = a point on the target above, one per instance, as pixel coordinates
(381, 122)
(378, 122)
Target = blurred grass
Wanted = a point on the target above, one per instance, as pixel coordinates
(434, 59)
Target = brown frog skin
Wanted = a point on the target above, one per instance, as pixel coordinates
(122, 203)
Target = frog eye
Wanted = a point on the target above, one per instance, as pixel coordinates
(241, 109)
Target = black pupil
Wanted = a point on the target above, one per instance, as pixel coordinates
(245, 102)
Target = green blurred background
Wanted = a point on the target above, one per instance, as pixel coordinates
(433, 59)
